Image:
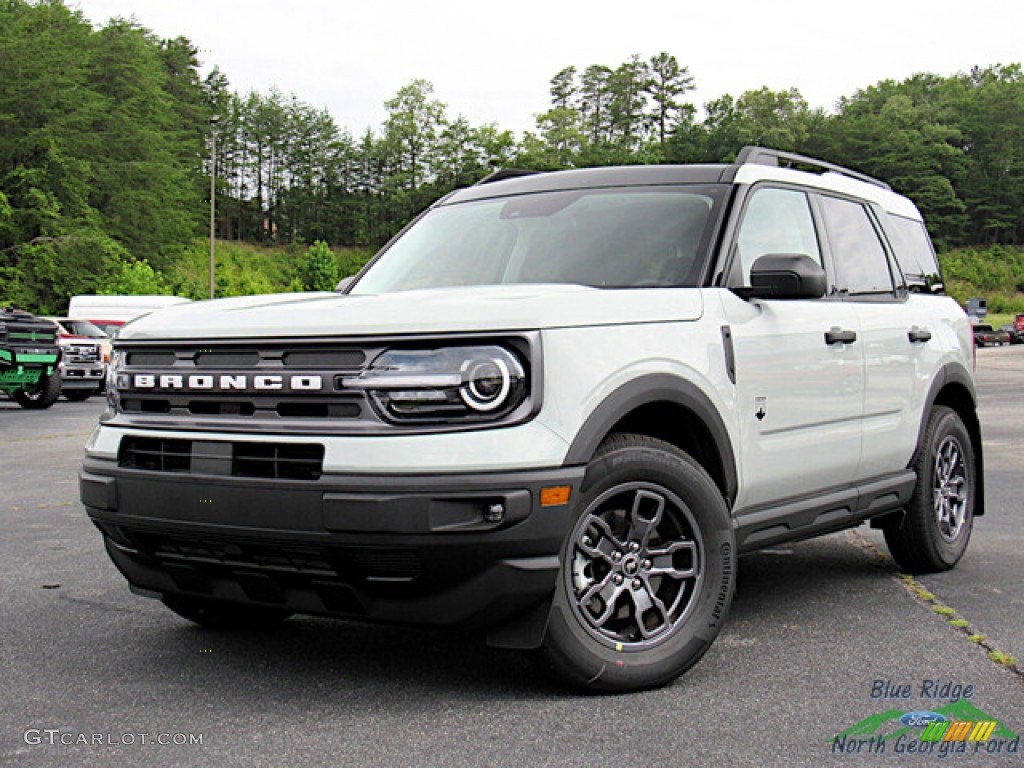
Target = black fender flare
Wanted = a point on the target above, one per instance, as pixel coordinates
(955, 373)
(657, 388)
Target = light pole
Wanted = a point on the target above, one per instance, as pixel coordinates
(214, 119)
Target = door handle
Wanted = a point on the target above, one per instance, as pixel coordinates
(840, 336)
(916, 335)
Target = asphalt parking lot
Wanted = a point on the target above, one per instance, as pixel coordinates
(824, 637)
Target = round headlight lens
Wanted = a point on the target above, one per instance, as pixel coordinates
(488, 383)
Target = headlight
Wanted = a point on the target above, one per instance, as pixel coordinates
(453, 383)
(113, 396)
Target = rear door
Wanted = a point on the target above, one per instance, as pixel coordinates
(895, 334)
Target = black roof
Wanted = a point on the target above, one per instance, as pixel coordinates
(596, 178)
(511, 181)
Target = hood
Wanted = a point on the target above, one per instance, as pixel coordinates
(448, 310)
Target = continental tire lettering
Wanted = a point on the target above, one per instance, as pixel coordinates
(723, 591)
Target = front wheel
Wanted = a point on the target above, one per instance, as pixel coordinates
(42, 395)
(648, 570)
(78, 395)
(933, 534)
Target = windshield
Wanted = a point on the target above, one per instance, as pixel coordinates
(605, 238)
(83, 328)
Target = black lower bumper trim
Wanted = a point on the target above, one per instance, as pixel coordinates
(418, 550)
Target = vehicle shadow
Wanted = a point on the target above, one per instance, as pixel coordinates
(358, 665)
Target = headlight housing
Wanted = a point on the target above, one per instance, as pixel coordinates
(112, 394)
(450, 384)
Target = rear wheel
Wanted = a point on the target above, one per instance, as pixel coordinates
(42, 395)
(647, 571)
(933, 534)
(216, 614)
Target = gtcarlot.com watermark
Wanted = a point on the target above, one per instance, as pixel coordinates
(53, 737)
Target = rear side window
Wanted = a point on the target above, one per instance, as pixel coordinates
(861, 261)
(914, 252)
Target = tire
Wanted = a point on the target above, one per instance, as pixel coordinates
(78, 395)
(217, 614)
(934, 532)
(45, 393)
(648, 570)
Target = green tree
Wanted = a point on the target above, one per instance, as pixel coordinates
(137, 278)
(666, 84)
(411, 129)
(320, 271)
(776, 119)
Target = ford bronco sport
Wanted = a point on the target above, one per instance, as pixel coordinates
(557, 407)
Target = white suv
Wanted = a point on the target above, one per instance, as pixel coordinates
(557, 407)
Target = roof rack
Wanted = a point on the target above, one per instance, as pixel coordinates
(505, 173)
(765, 156)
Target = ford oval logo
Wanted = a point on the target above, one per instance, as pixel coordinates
(922, 719)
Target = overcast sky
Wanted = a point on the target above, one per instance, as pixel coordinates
(492, 62)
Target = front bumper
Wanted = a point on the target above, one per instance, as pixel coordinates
(407, 549)
(88, 377)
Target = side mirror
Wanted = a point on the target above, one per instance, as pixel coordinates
(343, 284)
(786, 276)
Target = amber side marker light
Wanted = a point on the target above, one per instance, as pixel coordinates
(555, 496)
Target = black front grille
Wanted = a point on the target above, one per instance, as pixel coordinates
(220, 383)
(81, 353)
(275, 386)
(156, 454)
(280, 461)
(308, 560)
(276, 461)
(319, 565)
(27, 331)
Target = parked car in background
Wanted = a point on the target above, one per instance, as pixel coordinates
(28, 359)
(83, 329)
(82, 370)
(1016, 337)
(1018, 326)
(985, 335)
(109, 313)
(83, 360)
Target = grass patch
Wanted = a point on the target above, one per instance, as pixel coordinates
(1002, 658)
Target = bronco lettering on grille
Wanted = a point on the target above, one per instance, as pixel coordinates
(207, 382)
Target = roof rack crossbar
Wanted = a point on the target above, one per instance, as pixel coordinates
(766, 156)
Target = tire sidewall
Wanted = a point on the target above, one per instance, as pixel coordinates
(945, 423)
(601, 666)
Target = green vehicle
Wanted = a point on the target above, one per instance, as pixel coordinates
(28, 359)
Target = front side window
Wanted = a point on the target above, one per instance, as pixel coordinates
(617, 238)
(776, 221)
(861, 262)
